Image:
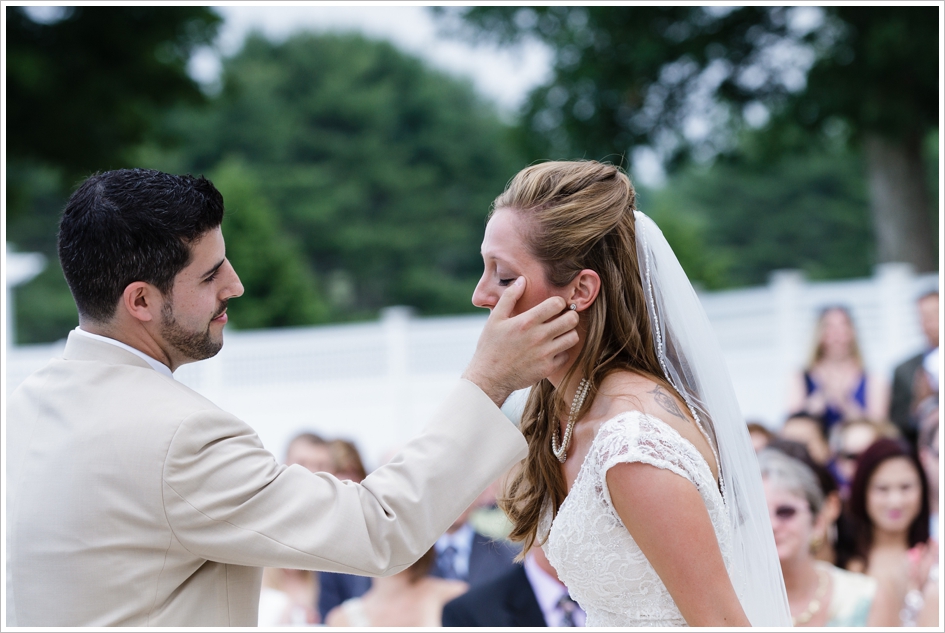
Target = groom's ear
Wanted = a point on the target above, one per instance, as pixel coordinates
(142, 301)
(584, 289)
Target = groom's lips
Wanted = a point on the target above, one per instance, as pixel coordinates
(220, 319)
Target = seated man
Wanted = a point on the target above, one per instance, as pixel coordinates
(525, 595)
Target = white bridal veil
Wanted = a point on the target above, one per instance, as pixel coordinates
(692, 362)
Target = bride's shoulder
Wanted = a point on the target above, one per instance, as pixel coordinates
(625, 391)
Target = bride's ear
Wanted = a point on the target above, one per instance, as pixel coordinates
(584, 289)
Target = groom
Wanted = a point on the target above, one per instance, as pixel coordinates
(133, 501)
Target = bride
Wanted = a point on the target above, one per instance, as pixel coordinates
(640, 480)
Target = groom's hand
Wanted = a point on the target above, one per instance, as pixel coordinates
(516, 352)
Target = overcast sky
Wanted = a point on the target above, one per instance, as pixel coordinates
(505, 76)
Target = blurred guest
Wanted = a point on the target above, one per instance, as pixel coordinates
(410, 598)
(824, 543)
(335, 588)
(917, 376)
(808, 430)
(487, 518)
(835, 385)
(347, 461)
(312, 452)
(288, 596)
(819, 593)
(928, 456)
(527, 595)
(889, 502)
(465, 554)
(760, 435)
(847, 441)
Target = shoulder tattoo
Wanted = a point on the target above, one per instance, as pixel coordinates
(667, 402)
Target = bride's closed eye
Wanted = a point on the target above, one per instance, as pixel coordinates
(506, 282)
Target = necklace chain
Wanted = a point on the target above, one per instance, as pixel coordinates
(816, 602)
(561, 452)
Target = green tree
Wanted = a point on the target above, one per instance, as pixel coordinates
(279, 289)
(625, 76)
(381, 168)
(755, 215)
(83, 88)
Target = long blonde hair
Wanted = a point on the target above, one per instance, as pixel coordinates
(578, 215)
(818, 352)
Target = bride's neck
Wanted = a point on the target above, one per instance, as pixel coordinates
(557, 378)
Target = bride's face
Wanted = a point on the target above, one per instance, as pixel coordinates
(505, 258)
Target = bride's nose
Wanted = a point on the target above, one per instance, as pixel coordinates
(482, 298)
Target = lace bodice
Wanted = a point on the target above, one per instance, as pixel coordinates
(594, 554)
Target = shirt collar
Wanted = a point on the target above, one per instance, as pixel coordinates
(156, 364)
(461, 540)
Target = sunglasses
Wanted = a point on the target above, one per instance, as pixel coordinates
(785, 513)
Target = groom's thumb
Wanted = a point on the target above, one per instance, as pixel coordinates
(506, 303)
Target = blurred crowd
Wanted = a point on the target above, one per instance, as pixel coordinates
(852, 479)
(468, 578)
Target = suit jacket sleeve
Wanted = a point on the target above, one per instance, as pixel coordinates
(227, 500)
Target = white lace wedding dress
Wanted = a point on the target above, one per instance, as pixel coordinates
(594, 554)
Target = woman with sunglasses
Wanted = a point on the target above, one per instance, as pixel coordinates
(819, 593)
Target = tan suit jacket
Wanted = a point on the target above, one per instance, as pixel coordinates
(133, 500)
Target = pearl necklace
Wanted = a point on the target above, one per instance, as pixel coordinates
(814, 605)
(561, 452)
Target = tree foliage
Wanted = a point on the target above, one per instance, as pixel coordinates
(83, 88)
(279, 289)
(626, 76)
(381, 168)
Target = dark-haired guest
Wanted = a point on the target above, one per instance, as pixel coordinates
(760, 435)
(890, 507)
(848, 440)
(807, 429)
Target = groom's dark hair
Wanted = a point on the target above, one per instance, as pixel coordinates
(132, 225)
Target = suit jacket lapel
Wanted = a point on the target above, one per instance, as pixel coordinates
(521, 602)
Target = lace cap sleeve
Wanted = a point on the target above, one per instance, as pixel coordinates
(637, 437)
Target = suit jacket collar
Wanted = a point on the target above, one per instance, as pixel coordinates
(80, 347)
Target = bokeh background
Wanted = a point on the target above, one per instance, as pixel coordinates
(359, 148)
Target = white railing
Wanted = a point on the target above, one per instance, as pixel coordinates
(377, 383)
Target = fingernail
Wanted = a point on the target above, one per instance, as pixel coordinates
(519, 281)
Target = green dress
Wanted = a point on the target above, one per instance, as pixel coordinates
(852, 596)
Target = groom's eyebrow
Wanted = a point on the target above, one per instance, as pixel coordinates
(214, 269)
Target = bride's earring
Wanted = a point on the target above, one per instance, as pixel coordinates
(573, 306)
